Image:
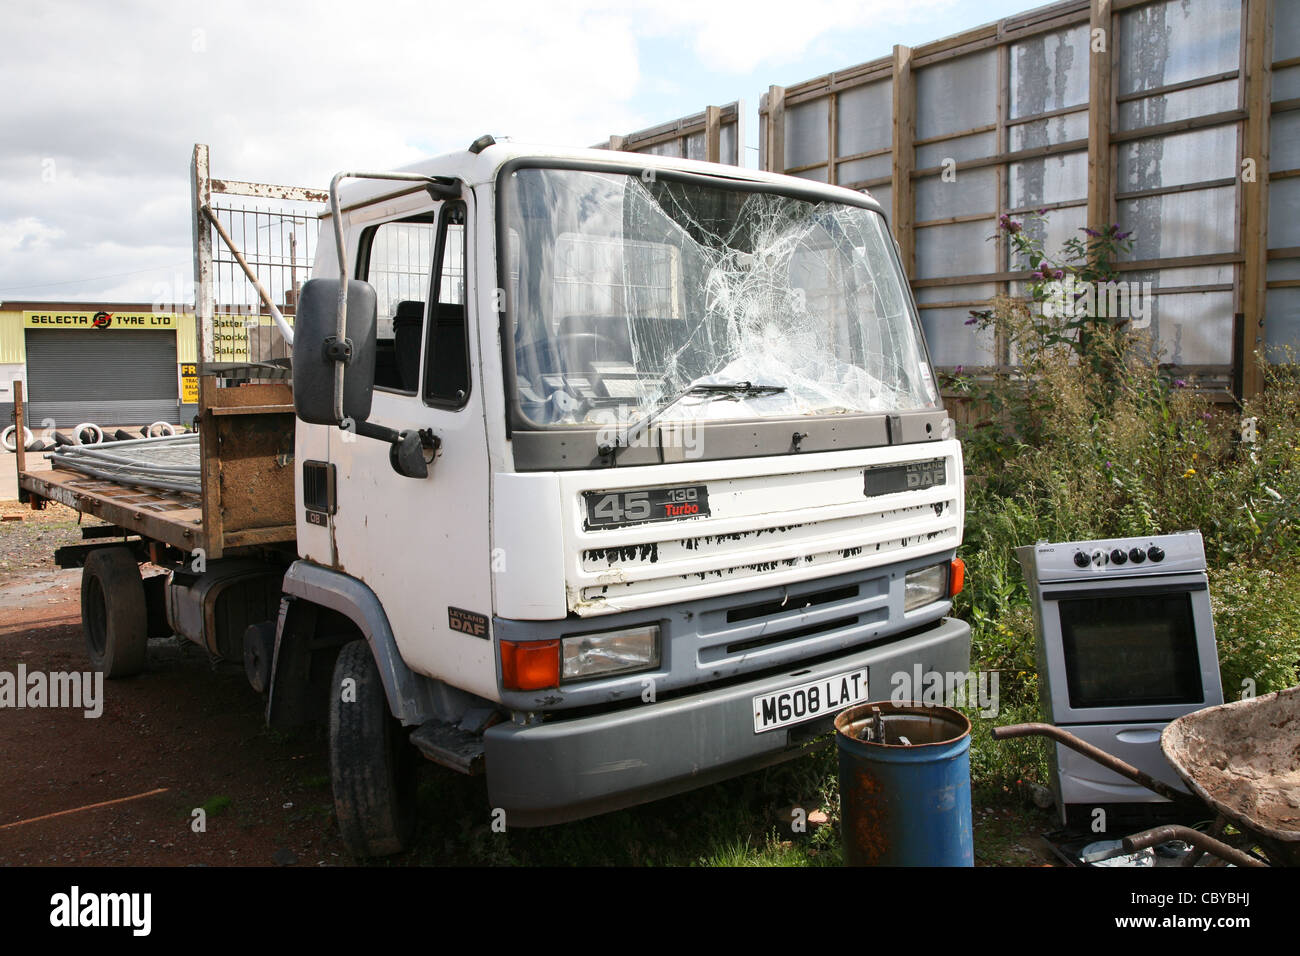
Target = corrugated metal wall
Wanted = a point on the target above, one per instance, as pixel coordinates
(11, 338)
(110, 378)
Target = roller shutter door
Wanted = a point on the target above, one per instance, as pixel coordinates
(107, 377)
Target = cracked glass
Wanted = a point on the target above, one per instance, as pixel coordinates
(628, 291)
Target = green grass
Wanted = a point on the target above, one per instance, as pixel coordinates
(215, 806)
(734, 823)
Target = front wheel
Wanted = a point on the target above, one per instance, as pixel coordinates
(372, 763)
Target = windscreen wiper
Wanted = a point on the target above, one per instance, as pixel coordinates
(734, 390)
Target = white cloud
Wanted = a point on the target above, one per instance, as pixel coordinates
(26, 235)
(106, 100)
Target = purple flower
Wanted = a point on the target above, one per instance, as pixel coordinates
(957, 370)
(1108, 465)
(1042, 212)
(1123, 235)
(1009, 224)
(972, 320)
(1180, 383)
(1091, 232)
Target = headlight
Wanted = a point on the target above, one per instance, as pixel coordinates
(610, 652)
(925, 586)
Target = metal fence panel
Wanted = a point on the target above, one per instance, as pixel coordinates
(957, 95)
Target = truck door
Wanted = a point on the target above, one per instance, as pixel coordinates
(422, 544)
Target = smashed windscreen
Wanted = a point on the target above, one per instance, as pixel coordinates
(630, 294)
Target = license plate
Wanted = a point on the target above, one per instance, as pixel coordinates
(794, 705)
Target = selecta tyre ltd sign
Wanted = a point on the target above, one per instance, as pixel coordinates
(101, 320)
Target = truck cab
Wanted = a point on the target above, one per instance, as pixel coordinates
(616, 475)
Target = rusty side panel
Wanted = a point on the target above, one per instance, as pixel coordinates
(247, 458)
(248, 463)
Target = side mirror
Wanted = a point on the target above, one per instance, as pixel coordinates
(317, 352)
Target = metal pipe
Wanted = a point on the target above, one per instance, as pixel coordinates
(284, 328)
(142, 481)
(184, 438)
(1202, 841)
(1109, 761)
(131, 463)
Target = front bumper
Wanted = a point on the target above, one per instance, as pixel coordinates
(568, 769)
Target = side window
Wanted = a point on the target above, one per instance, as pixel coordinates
(446, 372)
(397, 259)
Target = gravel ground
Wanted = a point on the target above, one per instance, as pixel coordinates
(28, 538)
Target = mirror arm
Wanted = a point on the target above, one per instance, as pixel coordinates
(411, 450)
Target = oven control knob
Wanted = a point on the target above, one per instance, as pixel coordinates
(1099, 557)
(1156, 553)
(1137, 555)
(1081, 559)
(1118, 556)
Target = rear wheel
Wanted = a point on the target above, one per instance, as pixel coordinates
(114, 617)
(372, 763)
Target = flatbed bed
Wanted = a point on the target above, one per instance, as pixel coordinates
(246, 444)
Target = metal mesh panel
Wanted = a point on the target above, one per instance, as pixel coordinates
(958, 249)
(1166, 43)
(1179, 105)
(960, 149)
(1049, 72)
(971, 192)
(957, 95)
(865, 118)
(805, 134)
(279, 245)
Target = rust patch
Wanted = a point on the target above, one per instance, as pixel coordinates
(866, 819)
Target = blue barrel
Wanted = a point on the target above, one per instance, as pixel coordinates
(904, 785)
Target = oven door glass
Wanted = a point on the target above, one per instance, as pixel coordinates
(1131, 650)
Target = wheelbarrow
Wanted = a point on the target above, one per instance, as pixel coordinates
(1241, 761)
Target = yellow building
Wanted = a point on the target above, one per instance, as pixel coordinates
(110, 363)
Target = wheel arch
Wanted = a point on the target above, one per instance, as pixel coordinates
(310, 587)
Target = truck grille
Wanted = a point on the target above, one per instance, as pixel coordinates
(803, 612)
(747, 544)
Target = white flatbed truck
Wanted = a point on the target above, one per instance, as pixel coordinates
(606, 475)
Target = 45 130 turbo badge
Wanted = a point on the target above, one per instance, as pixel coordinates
(616, 509)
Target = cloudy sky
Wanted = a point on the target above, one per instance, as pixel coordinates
(104, 101)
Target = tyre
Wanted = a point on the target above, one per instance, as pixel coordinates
(372, 763)
(7, 438)
(114, 616)
(88, 433)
